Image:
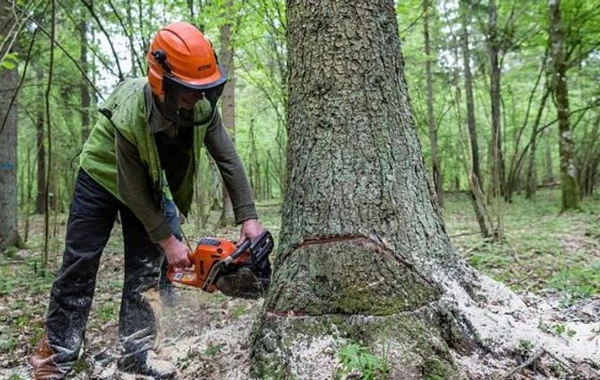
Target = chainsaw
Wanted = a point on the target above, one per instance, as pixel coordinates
(219, 264)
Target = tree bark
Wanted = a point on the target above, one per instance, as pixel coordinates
(84, 89)
(475, 180)
(436, 170)
(9, 78)
(360, 231)
(364, 255)
(40, 133)
(496, 159)
(227, 102)
(548, 166)
(568, 170)
(531, 185)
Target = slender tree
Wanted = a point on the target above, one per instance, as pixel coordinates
(9, 78)
(228, 99)
(436, 170)
(496, 159)
(40, 133)
(568, 170)
(84, 89)
(475, 179)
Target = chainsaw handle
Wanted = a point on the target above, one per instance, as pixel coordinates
(238, 252)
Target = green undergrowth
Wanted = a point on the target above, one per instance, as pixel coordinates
(355, 357)
(542, 250)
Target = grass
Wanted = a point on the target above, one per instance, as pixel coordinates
(542, 252)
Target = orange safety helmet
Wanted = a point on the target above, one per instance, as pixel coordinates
(181, 60)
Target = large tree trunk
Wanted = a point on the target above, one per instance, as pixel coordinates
(227, 104)
(364, 255)
(9, 79)
(568, 170)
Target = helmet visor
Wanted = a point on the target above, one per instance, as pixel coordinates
(182, 97)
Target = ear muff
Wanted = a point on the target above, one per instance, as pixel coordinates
(161, 57)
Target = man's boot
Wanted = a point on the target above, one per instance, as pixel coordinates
(147, 364)
(42, 361)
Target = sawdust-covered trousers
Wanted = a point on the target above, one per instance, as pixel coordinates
(91, 217)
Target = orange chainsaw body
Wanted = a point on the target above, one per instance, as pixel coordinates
(209, 252)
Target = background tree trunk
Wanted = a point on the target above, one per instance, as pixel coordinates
(40, 133)
(9, 79)
(227, 102)
(475, 179)
(532, 178)
(568, 170)
(83, 87)
(497, 184)
(436, 170)
(548, 167)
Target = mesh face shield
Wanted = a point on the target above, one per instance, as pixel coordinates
(181, 97)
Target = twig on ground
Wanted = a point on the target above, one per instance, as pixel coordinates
(465, 234)
(474, 248)
(519, 280)
(565, 365)
(524, 365)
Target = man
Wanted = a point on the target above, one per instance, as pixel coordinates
(140, 161)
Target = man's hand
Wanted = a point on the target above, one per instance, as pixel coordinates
(176, 252)
(251, 229)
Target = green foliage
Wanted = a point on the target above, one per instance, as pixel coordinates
(10, 61)
(355, 357)
(525, 347)
(108, 311)
(435, 370)
(557, 329)
(542, 248)
(578, 282)
(214, 349)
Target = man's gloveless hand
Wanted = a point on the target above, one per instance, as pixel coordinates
(250, 229)
(176, 252)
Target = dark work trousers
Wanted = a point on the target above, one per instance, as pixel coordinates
(91, 217)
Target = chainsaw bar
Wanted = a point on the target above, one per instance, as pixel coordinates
(212, 275)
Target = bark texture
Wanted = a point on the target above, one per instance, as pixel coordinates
(498, 183)
(568, 170)
(361, 235)
(436, 171)
(227, 102)
(475, 178)
(8, 135)
(364, 255)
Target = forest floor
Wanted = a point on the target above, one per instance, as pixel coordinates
(556, 257)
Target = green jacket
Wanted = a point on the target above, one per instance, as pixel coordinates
(126, 114)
